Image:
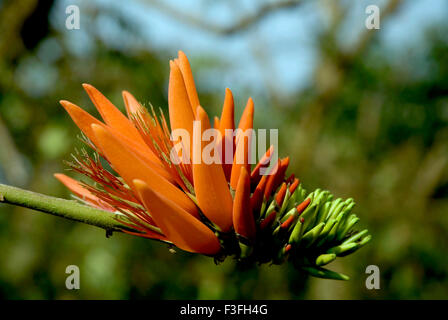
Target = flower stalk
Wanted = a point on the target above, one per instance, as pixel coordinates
(68, 209)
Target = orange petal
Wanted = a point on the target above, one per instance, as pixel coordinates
(154, 133)
(210, 185)
(75, 187)
(263, 163)
(281, 194)
(293, 186)
(241, 159)
(227, 116)
(288, 222)
(257, 197)
(280, 175)
(247, 119)
(181, 114)
(301, 207)
(271, 180)
(119, 123)
(82, 119)
(112, 116)
(291, 178)
(184, 230)
(243, 219)
(131, 104)
(133, 107)
(185, 68)
(216, 122)
(226, 145)
(227, 122)
(277, 178)
(268, 220)
(246, 123)
(130, 166)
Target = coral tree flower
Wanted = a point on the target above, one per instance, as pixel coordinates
(215, 209)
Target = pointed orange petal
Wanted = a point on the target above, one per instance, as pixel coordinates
(241, 159)
(75, 187)
(277, 178)
(247, 119)
(227, 122)
(131, 104)
(280, 175)
(112, 116)
(210, 185)
(291, 178)
(119, 123)
(216, 122)
(281, 194)
(181, 114)
(243, 219)
(227, 116)
(301, 207)
(288, 222)
(257, 197)
(263, 163)
(82, 119)
(130, 166)
(224, 145)
(185, 68)
(293, 186)
(133, 107)
(268, 220)
(184, 230)
(271, 180)
(243, 137)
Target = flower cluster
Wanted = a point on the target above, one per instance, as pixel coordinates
(217, 209)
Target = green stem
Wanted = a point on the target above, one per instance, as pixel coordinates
(68, 209)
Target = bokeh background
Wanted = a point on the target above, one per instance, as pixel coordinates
(363, 113)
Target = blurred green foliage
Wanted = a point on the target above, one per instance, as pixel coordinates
(365, 128)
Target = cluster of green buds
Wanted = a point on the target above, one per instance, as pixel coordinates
(308, 229)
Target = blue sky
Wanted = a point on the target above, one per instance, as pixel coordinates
(280, 50)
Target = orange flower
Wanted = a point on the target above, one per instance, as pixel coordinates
(201, 207)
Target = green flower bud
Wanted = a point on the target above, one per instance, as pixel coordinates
(296, 233)
(324, 259)
(356, 236)
(343, 248)
(311, 236)
(325, 273)
(351, 221)
(334, 204)
(328, 227)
